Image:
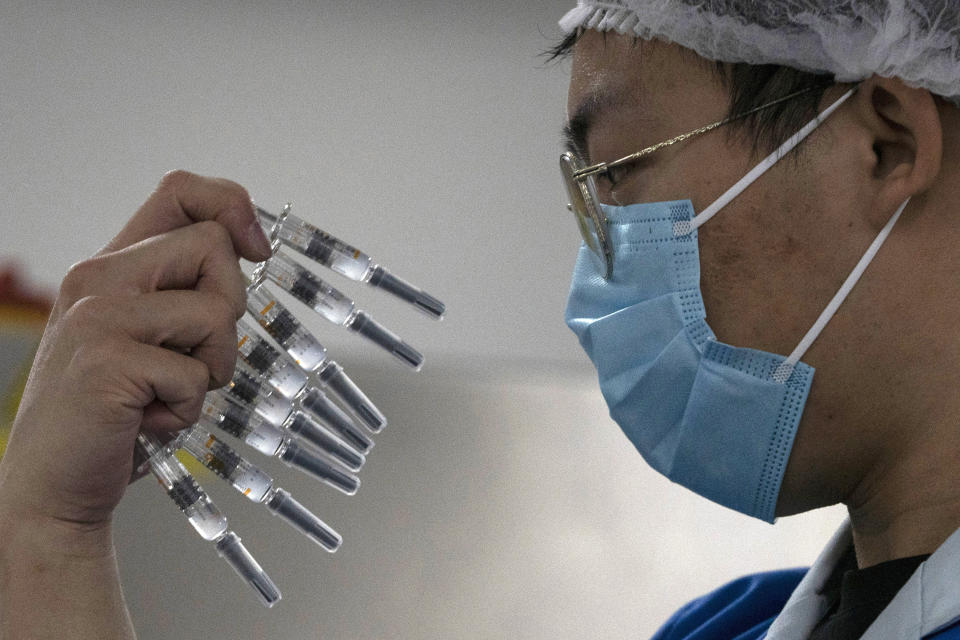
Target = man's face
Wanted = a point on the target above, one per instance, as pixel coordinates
(773, 258)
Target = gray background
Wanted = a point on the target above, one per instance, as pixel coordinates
(500, 501)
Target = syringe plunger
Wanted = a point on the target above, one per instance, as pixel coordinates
(334, 379)
(423, 301)
(303, 427)
(328, 472)
(362, 323)
(321, 407)
(232, 550)
(283, 505)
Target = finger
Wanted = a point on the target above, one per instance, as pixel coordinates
(174, 385)
(183, 198)
(159, 418)
(204, 323)
(199, 256)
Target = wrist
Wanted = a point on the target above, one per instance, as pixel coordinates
(55, 575)
(26, 525)
(27, 534)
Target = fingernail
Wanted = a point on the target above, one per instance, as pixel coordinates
(258, 239)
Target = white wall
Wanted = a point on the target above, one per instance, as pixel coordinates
(501, 500)
(424, 132)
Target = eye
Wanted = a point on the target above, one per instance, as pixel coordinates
(615, 175)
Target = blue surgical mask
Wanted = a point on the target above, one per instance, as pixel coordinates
(718, 419)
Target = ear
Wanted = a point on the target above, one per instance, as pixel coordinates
(904, 127)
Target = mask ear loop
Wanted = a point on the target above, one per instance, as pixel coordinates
(686, 226)
(786, 367)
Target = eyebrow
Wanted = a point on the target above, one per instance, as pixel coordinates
(576, 132)
(577, 129)
(574, 135)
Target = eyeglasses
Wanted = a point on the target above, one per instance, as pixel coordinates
(581, 183)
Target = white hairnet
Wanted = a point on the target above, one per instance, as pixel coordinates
(917, 41)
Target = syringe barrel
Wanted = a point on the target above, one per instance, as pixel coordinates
(323, 409)
(321, 247)
(326, 471)
(220, 458)
(365, 325)
(282, 504)
(283, 327)
(245, 387)
(309, 289)
(232, 416)
(277, 368)
(302, 426)
(189, 496)
(333, 378)
(236, 555)
(423, 301)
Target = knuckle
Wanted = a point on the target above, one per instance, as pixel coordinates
(86, 313)
(93, 359)
(78, 278)
(237, 196)
(222, 312)
(199, 380)
(175, 180)
(220, 369)
(220, 372)
(199, 376)
(234, 293)
(195, 377)
(223, 356)
(240, 304)
(193, 407)
(215, 235)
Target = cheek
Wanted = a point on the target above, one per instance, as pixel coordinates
(726, 276)
(753, 271)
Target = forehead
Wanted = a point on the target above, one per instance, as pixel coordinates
(618, 75)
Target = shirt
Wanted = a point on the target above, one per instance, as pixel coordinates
(857, 596)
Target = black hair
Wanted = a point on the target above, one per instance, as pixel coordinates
(751, 86)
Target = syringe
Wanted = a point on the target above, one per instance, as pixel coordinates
(334, 306)
(245, 386)
(249, 387)
(194, 502)
(255, 484)
(232, 416)
(309, 354)
(189, 496)
(318, 405)
(235, 417)
(282, 373)
(348, 261)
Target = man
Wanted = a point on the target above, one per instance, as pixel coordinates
(769, 243)
(875, 428)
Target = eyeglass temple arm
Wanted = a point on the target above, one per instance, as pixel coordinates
(603, 167)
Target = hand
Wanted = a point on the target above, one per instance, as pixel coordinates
(137, 336)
